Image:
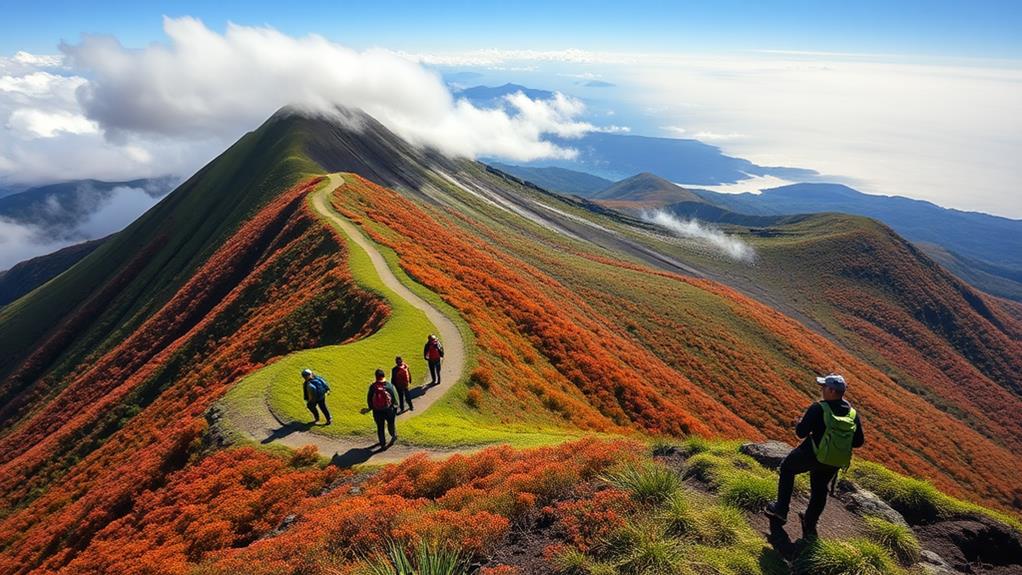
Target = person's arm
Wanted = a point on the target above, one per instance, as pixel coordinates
(393, 394)
(425, 351)
(393, 373)
(305, 391)
(860, 438)
(809, 418)
(369, 397)
(440, 347)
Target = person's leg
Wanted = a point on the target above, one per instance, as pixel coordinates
(819, 478)
(401, 393)
(380, 417)
(326, 412)
(433, 365)
(439, 362)
(408, 396)
(312, 407)
(798, 461)
(391, 425)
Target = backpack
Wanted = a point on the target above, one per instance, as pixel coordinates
(434, 351)
(401, 376)
(318, 387)
(835, 446)
(381, 398)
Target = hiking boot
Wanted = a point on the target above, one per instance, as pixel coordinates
(411, 408)
(328, 422)
(772, 512)
(393, 440)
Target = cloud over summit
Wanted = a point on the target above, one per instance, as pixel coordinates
(203, 83)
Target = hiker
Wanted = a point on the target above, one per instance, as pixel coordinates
(830, 429)
(433, 353)
(401, 377)
(381, 400)
(314, 390)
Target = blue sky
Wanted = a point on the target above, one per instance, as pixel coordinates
(920, 99)
(976, 29)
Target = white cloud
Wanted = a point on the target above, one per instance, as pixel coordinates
(205, 83)
(716, 137)
(677, 131)
(94, 216)
(44, 124)
(730, 246)
(948, 133)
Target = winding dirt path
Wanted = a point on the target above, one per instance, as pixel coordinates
(352, 450)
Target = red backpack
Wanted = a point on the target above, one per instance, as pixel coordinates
(401, 377)
(433, 351)
(381, 397)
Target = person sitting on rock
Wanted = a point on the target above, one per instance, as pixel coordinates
(830, 429)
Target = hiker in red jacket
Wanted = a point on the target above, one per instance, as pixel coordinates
(381, 400)
(433, 353)
(401, 377)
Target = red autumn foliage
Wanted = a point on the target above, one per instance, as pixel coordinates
(280, 264)
(524, 317)
(458, 502)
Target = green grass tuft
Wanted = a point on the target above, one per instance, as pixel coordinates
(897, 539)
(720, 526)
(428, 559)
(855, 557)
(647, 482)
(919, 501)
(747, 491)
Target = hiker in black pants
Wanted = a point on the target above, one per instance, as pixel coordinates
(314, 389)
(401, 378)
(382, 401)
(837, 414)
(433, 353)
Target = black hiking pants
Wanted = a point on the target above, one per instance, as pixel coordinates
(321, 403)
(403, 396)
(434, 371)
(385, 416)
(803, 460)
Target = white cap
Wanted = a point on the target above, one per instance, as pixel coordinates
(306, 372)
(834, 381)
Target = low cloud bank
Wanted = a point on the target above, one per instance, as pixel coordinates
(57, 223)
(729, 246)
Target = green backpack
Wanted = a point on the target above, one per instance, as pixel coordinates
(835, 446)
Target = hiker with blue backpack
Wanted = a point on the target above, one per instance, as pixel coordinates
(314, 390)
(829, 430)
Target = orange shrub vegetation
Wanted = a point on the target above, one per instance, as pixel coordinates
(609, 346)
(280, 281)
(458, 502)
(536, 336)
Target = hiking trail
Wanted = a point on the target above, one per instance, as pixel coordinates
(266, 428)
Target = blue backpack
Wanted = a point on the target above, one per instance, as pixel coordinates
(318, 387)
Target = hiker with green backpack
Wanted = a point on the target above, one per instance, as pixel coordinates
(830, 429)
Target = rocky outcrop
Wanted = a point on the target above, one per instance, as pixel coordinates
(866, 503)
(769, 454)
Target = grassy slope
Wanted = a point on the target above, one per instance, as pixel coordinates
(99, 302)
(718, 341)
(348, 368)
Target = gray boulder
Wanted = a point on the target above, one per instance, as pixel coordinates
(866, 503)
(769, 454)
(932, 564)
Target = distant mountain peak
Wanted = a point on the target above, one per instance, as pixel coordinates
(647, 188)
